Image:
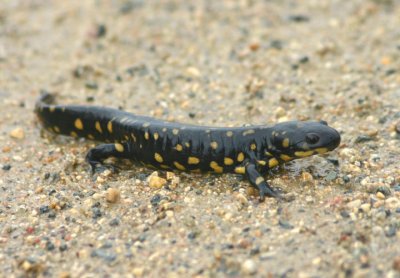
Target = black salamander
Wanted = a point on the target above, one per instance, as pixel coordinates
(250, 150)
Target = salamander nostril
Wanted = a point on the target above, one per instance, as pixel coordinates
(312, 138)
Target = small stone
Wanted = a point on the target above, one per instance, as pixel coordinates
(6, 167)
(365, 207)
(380, 195)
(156, 182)
(249, 266)
(384, 190)
(354, 204)
(113, 195)
(242, 199)
(114, 222)
(305, 176)
(192, 71)
(280, 112)
(363, 138)
(138, 271)
(331, 176)
(396, 263)
(285, 224)
(17, 133)
(390, 231)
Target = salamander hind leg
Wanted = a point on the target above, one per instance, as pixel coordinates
(257, 180)
(98, 154)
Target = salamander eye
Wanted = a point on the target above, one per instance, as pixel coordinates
(312, 138)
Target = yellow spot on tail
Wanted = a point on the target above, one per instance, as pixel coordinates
(175, 131)
(133, 137)
(240, 170)
(193, 160)
(272, 162)
(268, 153)
(253, 146)
(247, 132)
(285, 143)
(146, 135)
(164, 129)
(110, 127)
(240, 157)
(178, 147)
(321, 150)
(126, 137)
(214, 145)
(187, 144)
(98, 127)
(303, 154)
(229, 133)
(90, 136)
(119, 147)
(259, 180)
(179, 166)
(228, 161)
(165, 166)
(217, 169)
(52, 109)
(155, 135)
(73, 134)
(56, 129)
(78, 124)
(158, 158)
(286, 157)
(262, 162)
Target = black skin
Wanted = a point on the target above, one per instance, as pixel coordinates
(250, 150)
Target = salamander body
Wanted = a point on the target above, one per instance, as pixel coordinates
(250, 150)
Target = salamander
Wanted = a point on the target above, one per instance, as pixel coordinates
(249, 150)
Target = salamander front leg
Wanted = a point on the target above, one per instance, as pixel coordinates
(98, 154)
(259, 182)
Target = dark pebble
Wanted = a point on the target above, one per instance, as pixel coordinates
(142, 237)
(114, 222)
(397, 128)
(363, 138)
(299, 18)
(96, 213)
(6, 167)
(396, 187)
(390, 71)
(398, 210)
(91, 85)
(44, 209)
(246, 230)
(130, 5)
(304, 60)
(334, 161)
(346, 179)
(101, 31)
(46, 175)
(96, 205)
(90, 98)
(331, 176)
(155, 200)
(391, 231)
(277, 44)
(52, 215)
(344, 214)
(104, 254)
(50, 246)
(52, 192)
(63, 247)
(285, 224)
(192, 235)
(384, 190)
(254, 251)
(192, 115)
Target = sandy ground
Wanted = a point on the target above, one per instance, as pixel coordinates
(221, 63)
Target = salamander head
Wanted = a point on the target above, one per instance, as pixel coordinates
(296, 139)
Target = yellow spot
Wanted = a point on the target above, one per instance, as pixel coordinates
(272, 162)
(285, 143)
(98, 127)
(133, 137)
(228, 161)
(78, 124)
(155, 135)
(240, 170)
(126, 137)
(253, 146)
(303, 154)
(178, 147)
(73, 134)
(90, 136)
(321, 150)
(164, 129)
(187, 144)
(146, 124)
(56, 129)
(119, 147)
(229, 133)
(214, 165)
(146, 135)
(262, 162)
(214, 145)
(158, 158)
(193, 160)
(179, 166)
(259, 180)
(52, 109)
(164, 166)
(110, 127)
(240, 157)
(268, 153)
(247, 132)
(175, 131)
(286, 157)
(195, 171)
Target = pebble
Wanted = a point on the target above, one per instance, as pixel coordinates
(365, 207)
(380, 195)
(305, 176)
(113, 195)
(396, 263)
(249, 266)
(156, 182)
(17, 133)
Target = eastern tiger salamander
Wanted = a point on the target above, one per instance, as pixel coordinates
(250, 150)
